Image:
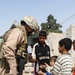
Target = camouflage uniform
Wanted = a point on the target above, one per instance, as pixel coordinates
(16, 40)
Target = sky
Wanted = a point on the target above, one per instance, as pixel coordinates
(62, 10)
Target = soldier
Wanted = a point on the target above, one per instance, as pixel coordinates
(15, 45)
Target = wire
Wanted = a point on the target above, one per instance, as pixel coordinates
(67, 19)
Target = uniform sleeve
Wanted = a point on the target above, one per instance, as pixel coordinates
(9, 48)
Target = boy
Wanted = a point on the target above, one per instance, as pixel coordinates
(73, 58)
(64, 63)
(52, 62)
(41, 53)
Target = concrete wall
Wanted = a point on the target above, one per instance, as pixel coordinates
(70, 33)
(53, 39)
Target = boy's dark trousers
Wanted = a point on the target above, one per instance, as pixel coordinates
(21, 65)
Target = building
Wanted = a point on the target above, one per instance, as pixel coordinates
(53, 39)
(70, 33)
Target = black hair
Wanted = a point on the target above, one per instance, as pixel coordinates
(67, 42)
(73, 41)
(54, 58)
(42, 33)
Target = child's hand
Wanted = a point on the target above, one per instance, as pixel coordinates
(32, 60)
(41, 73)
(46, 64)
(42, 66)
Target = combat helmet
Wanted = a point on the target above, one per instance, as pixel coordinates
(31, 22)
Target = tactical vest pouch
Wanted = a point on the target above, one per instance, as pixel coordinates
(24, 56)
(22, 51)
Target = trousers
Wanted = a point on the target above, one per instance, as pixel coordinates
(5, 69)
(21, 65)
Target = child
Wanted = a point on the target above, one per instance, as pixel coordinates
(49, 67)
(41, 52)
(64, 62)
(73, 69)
(52, 62)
